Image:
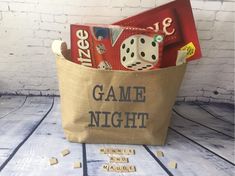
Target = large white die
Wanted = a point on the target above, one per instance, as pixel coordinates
(139, 52)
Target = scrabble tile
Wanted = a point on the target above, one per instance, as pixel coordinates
(113, 151)
(65, 152)
(160, 154)
(77, 165)
(119, 151)
(131, 168)
(131, 151)
(105, 167)
(112, 159)
(108, 151)
(112, 168)
(53, 161)
(124, 152)
(118, 169)
(102, 150)
(172, 165)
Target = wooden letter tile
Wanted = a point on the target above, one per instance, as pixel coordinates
(172, 165)
(105, 167)
(112, 168)
(77, 165)
(102, 150)
(131, 168)
(53, 161)
(160, 154)
(65, 152)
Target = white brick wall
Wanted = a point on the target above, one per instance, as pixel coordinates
(27, 28)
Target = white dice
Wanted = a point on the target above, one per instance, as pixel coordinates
(139, 52)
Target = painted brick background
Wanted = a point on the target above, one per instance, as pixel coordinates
(27, 28)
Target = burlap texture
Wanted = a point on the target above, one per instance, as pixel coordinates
(87, 120)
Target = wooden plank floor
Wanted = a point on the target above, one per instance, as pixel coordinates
(200, 140)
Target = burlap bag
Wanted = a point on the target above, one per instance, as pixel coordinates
(125, 107)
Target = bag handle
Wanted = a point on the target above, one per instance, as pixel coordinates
(60, 49)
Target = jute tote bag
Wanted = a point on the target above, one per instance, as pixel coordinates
(122, 107)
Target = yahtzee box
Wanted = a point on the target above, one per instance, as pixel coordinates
(115, 47)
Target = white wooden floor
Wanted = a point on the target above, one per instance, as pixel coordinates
(200, 140)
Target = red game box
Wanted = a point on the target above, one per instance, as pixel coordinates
(176, 20)
(115, 47)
